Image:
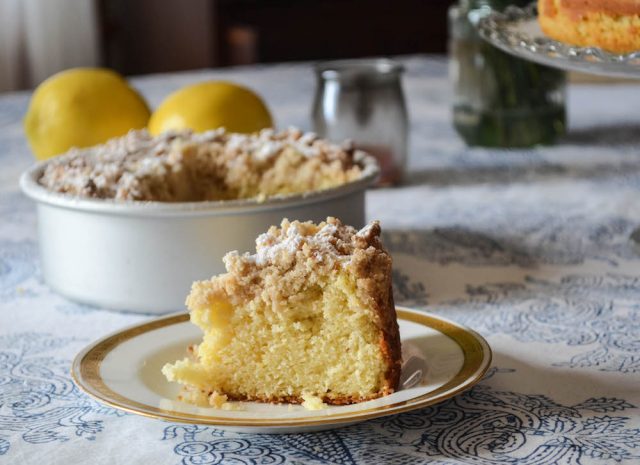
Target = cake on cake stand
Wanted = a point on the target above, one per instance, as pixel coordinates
(516, 31)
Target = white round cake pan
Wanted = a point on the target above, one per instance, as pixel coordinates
(143, 256)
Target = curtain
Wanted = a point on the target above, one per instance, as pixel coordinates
(41, 37)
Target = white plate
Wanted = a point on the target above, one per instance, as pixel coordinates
(516, 31)
(123, 371)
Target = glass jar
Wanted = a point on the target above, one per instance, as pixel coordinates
(500, 100)
(362, 100)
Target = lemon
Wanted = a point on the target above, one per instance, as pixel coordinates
(81, 107)
(210, 105)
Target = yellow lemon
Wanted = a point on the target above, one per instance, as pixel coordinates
(210, 105)
(82, 107)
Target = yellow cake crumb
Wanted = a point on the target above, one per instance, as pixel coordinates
(217, 400)
(221, 401)
(312, 402)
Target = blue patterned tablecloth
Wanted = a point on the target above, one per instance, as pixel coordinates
(528, 247)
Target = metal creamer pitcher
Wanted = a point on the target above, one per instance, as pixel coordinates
(362, 100)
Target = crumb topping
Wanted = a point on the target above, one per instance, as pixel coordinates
(183, 166)
(297, 255)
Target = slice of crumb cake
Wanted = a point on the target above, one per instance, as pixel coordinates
(310, 314)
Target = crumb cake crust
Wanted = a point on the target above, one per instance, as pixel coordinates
(371, 265)
(182, 166)
(609, 24)
(344, 400)
(287, 259)
(610, 7)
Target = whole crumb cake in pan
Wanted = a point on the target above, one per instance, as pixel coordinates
(308, 318)
(613, 25)
(183, 166)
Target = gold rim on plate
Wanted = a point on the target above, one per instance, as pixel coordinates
(85, 372)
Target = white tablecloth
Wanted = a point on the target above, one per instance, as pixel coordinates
(529, 247)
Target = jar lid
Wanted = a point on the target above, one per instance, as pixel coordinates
(361, 69)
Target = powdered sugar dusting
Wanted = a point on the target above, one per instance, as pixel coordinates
(328, 243)
(269, 247)
(268, 150)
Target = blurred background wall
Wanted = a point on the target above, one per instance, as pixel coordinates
(41, 37)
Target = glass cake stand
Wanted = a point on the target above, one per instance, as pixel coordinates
(517, 32)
